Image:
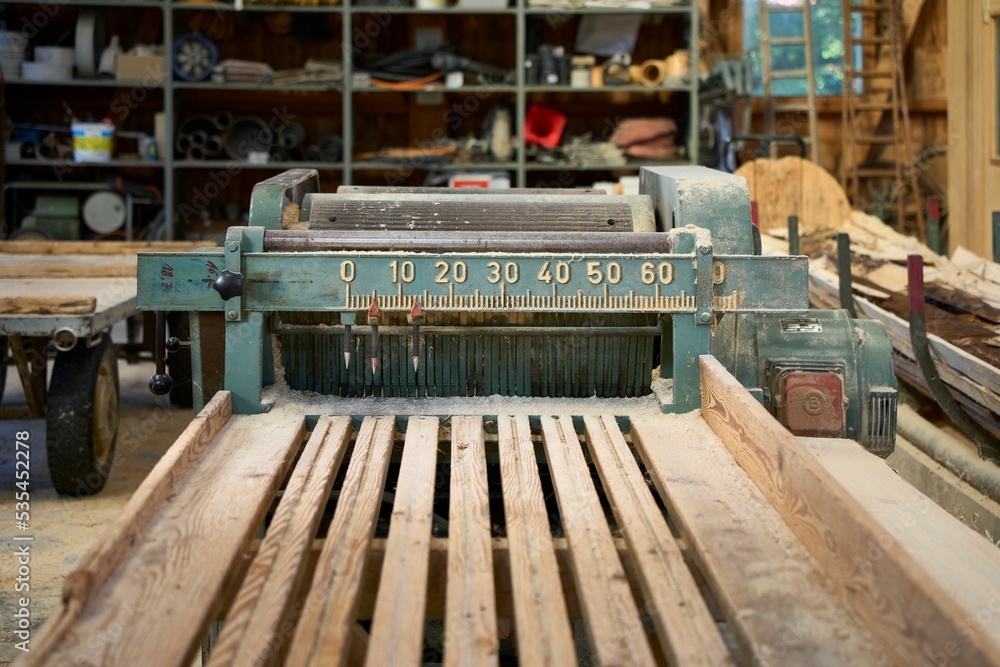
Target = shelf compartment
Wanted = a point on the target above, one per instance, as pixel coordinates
(254, 7)
(681, 88)
(262, 87)
(226, 164)
(366, 165)
(73, 164)
(86, 83)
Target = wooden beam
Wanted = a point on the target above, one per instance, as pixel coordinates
(397, 630)
(685, 626)
(614, 627)
(470, 627)
(769, 588)
(544, 636)
(173, 467)
(48, 266)
(175, 572)
(47, 305)
(257, 628)
(98, 247)
(906, 599)
(323, 633)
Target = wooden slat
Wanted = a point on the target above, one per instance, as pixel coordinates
(97, 565)
(613, 624)
(470, 627)
(398, 625)
(255, 630)
(323, 634)
(47, 305)
(908, 606)
(177, 569)
(768, 586)
(68, 266)
(544, 636)
(683, 622)
(97, 247)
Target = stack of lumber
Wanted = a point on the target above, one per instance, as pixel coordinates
(963, 306)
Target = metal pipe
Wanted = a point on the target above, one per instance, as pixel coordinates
(949, 452)
(533, 242)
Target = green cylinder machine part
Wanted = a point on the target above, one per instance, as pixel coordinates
(814, 348)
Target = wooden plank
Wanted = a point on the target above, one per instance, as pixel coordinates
(67, 266)
(256, 631)
(178, 568)
(945, 551)
(959, 360)
(97, 565)
(470, 627)
(769, 588)
(397, 630)
(323, 634)
(98, 247)
(909, 607)
(544, 636)
(47, 305)
(683, 622)
(613, 624)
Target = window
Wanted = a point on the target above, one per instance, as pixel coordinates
(828, 45)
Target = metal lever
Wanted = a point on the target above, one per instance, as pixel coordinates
(228, 284)
(988, 446)
(161, 383)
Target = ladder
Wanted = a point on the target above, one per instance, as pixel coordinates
(875, 117)
(802, 113)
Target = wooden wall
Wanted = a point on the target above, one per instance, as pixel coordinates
(974, 163)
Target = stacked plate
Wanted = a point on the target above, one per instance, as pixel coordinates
(46, 72)
(12, 48)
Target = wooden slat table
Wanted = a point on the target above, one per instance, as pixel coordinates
(710, 538)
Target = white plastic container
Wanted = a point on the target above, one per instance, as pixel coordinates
(93, 142)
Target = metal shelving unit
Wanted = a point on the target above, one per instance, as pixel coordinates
(174, 91)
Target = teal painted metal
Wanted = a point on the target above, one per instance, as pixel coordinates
(245, 362)
(338, 281)
(830, 340)
(709, 199)
(270, 197)
(526, 324)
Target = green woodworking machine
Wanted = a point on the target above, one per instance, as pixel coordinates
(375, 294)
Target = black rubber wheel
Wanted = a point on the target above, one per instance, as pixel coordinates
(82, 418)
(179, 362)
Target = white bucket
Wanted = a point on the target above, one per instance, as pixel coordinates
(93, 142)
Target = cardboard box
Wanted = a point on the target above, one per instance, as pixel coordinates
(140, 69)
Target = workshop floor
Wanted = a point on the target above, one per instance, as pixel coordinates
(65, 528)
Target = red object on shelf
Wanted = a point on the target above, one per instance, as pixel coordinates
(543, 126)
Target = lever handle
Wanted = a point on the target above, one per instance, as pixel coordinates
(161, 383)
(229, 284)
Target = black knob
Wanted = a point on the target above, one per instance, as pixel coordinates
(172, 344)
(161, 384)
(229, 284)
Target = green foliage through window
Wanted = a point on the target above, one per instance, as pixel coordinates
(828, 45)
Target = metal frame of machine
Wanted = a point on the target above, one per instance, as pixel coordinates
(697, 277)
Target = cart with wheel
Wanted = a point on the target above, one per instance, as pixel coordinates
(63, 299)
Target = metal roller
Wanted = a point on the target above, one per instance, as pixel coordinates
(416, 212)
(417, 241)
